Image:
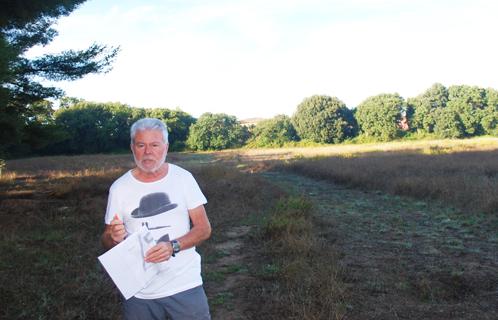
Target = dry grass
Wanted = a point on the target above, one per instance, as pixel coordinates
(420, 146)
(466, 180)
(52, 218)
(49, 242)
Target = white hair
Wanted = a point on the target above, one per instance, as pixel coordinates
(149, 124)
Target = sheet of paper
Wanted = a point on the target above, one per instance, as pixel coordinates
(126, 266)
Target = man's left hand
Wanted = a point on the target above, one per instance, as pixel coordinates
(159, 253)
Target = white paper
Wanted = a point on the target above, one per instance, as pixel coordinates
(126, 266)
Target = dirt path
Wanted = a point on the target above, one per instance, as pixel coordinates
(228, 274)
(406, 259)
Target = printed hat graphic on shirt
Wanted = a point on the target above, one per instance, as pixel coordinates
(153, 204)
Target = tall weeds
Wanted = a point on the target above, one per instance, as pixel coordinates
(466, 180)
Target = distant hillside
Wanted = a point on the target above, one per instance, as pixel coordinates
(251, 121)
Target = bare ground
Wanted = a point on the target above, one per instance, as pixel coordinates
(406, 259)
(228, 275)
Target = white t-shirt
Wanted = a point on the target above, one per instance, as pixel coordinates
(162, 206)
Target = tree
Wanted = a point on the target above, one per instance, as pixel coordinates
(178, 123)
(90, 128)
(215, 132)
(379, 116)
(324, 119)
(274, 132)
(469, 103)
(425, 105)
(41, 131)
(23, 25)
(489, 121)
(447, 124)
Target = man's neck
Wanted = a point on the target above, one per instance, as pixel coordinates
(144, 176)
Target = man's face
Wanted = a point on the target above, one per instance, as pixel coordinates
(149, 150)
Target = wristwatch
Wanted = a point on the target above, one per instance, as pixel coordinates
(176, 246)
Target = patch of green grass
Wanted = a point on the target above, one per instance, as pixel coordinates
(215, 276)
(269, 271)
(212, 256)
(291, 216)
(235, 268)
(222, 298)
(221, 274)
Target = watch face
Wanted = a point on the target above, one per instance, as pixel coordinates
(176, 246)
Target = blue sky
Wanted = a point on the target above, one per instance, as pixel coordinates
(262, 58)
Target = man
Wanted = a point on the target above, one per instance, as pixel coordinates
(167, 200)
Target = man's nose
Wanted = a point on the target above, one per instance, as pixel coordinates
(148, 149)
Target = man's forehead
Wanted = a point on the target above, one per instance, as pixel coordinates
(149, 134)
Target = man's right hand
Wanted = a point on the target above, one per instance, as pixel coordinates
(118, 231)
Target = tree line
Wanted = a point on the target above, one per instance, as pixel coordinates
(83, 127)
(30, 125)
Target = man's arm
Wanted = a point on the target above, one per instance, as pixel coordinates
(114, 233)
(200, 231)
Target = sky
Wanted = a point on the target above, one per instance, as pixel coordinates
(261, 58)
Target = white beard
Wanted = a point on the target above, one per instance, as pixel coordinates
(153, 169)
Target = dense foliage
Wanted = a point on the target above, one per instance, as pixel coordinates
(274, 132)
(426, 106)
(216, 131)
(29, 124)
(457, 111)
(324, 119)
(82, 127)
(379, 116)
(89, 127)
(23, 114)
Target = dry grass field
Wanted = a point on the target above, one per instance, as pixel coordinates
(391, 231)
(52, 217)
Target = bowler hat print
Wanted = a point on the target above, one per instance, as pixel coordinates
(153, 204)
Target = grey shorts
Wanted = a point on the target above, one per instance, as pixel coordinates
(190, 304)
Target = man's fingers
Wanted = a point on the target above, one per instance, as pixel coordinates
(118, 227)
(157, 258)
(154, 252)
(116, 220)
(118, 231)
(158, 253)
